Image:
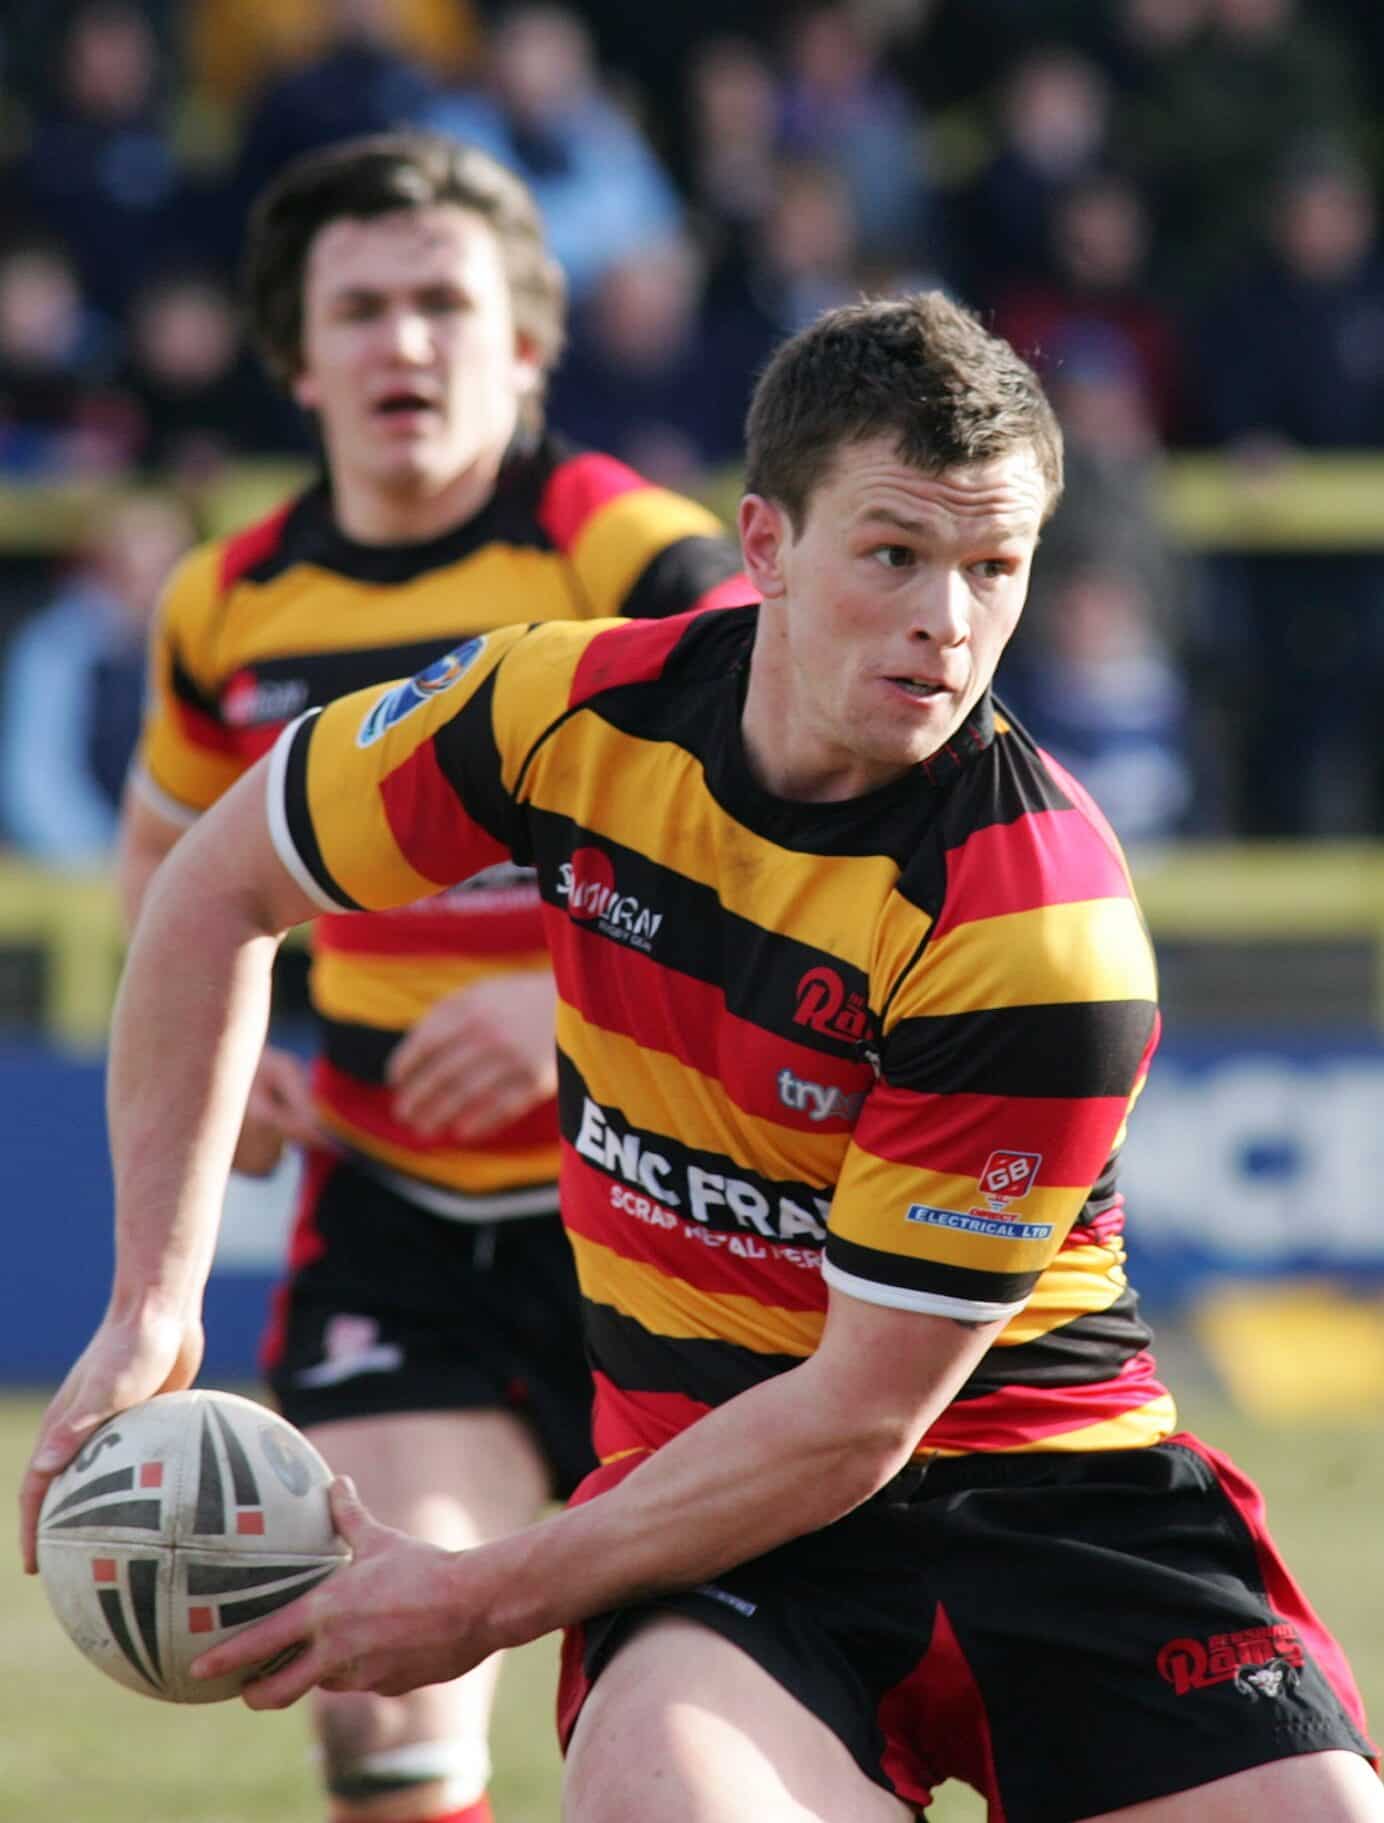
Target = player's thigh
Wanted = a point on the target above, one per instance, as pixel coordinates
(1334, 1787)
(455, 1477)
(682, 1724)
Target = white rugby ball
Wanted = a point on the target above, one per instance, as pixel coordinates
(181, 1521)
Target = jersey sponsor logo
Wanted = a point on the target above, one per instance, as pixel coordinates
(587, 883)
(404, 698)
(249, 701)
(1259, 1661)
(977, 1221)
(700, 1189)
(1009, 1176)
(818, 1100)
(825, 1006)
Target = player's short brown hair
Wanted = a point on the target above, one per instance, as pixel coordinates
(378, 174)
(920, 369)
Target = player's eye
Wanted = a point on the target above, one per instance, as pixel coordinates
(992, 569)
(893, 556)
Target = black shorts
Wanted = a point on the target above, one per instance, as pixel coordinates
(1067, 1634)
(389, 1308)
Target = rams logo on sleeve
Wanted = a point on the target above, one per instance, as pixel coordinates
(404, 698)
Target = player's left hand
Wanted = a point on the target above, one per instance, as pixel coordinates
(479, 1059)
(388, 1621)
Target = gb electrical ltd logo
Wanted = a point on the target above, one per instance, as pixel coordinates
(404, 698)
(587, 882)
(1006, 1179)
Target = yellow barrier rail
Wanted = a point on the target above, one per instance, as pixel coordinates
(1242, 892)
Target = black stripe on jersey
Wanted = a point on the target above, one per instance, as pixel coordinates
(678, 576)
(1091, 1348)
(772, 1209)
(757, 970)
(470, 761)
(328, 675)
(1074, 1050)
(962, 1282)
(187, 690)
(300, 828)
(639, 1361)
(361, 1051)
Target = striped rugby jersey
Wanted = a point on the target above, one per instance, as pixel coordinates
(289, 615)
(888, 1044)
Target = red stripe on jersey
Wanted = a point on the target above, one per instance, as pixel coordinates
(371, 1108)
(577, 489)
(204, 731)
(451, 929)
(1285, 1598)
(622, 1420)
(253, 545)
(953, 1135)
(429, 824)
(1013, 1416)
(632, 653)
(632, 1224)
(254, 743)
(1050, 857)
(735, 592)
(1085, 803)
(621, 990)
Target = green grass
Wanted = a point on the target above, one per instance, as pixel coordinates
(75, 1745)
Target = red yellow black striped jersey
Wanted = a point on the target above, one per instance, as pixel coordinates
(888, 1044)
(292, 614)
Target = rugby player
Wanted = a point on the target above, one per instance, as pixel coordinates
(854, 1001)
(427, 1333)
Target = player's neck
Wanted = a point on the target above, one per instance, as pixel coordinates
(412, 513)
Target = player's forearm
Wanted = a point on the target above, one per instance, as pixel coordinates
(774, 1463)
(189, 1026)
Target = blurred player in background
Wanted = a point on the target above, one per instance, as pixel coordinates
(426, 1335)
(854, 1003)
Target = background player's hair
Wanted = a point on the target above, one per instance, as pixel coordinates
(920, 369)
(378, 174)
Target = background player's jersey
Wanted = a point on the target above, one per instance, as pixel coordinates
(891, 1041)
(290, 615)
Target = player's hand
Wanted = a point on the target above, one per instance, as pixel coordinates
(280, 1108)
(479, 1059)
(388, 1621)
(125, 1362)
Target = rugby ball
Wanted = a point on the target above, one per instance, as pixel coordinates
(181, 1521)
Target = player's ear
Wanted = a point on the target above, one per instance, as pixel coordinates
(528, 365)
(764, 534)
(305, 390)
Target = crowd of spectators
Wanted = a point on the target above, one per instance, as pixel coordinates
(1170, 205)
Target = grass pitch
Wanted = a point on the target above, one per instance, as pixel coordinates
(74, 1744)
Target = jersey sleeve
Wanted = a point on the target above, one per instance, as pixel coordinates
(186, 757)
(395, 792)
(637, 550)
(1012, 1051)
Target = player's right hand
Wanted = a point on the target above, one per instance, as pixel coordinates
(280, 1108)
(125, 1362)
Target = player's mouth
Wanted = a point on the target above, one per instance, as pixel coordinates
(921, 689)
(403, 404)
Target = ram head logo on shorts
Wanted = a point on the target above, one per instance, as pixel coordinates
(404, 698)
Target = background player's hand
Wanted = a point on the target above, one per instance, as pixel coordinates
(479, 1059)
(280, 1108)
(127, 1361)
(389, 1621)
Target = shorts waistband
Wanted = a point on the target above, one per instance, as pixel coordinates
(458, 1205)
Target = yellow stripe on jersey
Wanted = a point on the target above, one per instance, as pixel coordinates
(627, 783)
(668, 1306)
(874, 1196)
(617, 542)
(1080, 1281)
(392, 991)
(1095, 949)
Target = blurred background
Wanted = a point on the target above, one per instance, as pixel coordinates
(1171, 206)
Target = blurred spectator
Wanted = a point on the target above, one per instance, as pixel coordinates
(640, 378)
(100, 170)
(358, 81)
(1099, 248)
(58, 415)
(731, 104)
(72, 687)
(544, 111)
(841, 108)
(201, 396)
(1293, 358)
(1052, 128)
(1263, 76)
